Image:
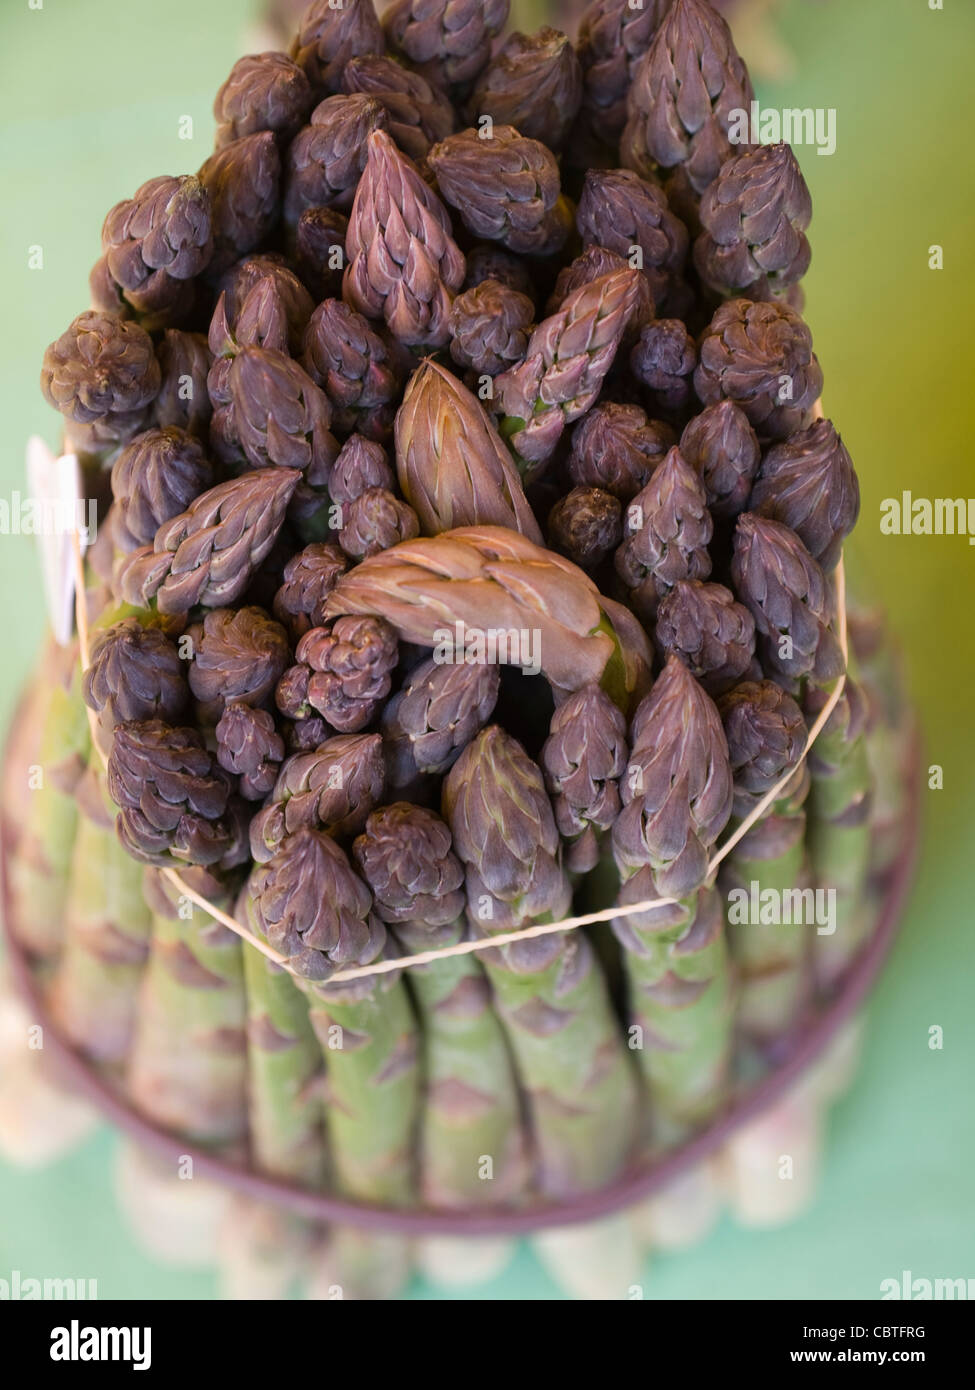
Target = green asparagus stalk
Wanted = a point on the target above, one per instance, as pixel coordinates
(549, 992)
(681, 1005)
(40, 871)
(309, 904)
(106, 942)
(368, 1034)
(287, 1111)
(472, 1146)
(794, 608)
(188, 1066)
(285, 1075)
(839, 824)
(677, 797)
(770, 958)
(889, 735)
(766, 738)
(23, 740)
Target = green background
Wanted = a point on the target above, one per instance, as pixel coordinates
(93, 93)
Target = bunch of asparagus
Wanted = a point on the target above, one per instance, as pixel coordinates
(463, 388)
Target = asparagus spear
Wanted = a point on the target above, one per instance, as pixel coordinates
(564, 367)
(262, 1251)
(533, 83)
(237, 655)
(766, 736)
(482, 578)
(328, 36)
(683, 94)
(183, 402)
(343, 671)
(418, 111)
(106, 938)
(808, 483)
(787, 594)
(325, 161)
(889, 735)
(332, 788)
(505, 187)
(616, 448)
(40, 870)
(134, 673)
(355, 368)
(24, 738)
(298, 1117)
(596, 1261)
(176, 1222)
(309, 903)
(712, 634)
(156, 242)
(755, 215)
(187, 1067)
(374, 521)
(435, 714)
(666, 535)
(208, 554)
(664, 359)
(760, 356)
(452, 464)
(243, 180)
(619, 210)
(102, 374)
(471, 1147)
(249, 746)
(404, 265)
(307, 580)
(40, 1120)
(549, 992)
(583, 759)
(593, 262)
(155, 477)
(722, 448)
(677, 797)
(285, 1073)
(613, 37)
(489, 327)
(449, 41)
(172, 795)
(265, 91)
(586, 525)
(839, 824)
(793, 606)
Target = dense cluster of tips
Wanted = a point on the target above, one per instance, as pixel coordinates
(470, 558)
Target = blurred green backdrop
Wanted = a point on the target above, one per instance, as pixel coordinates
(94, 91)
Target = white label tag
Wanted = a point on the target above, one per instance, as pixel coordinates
(54, 488)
